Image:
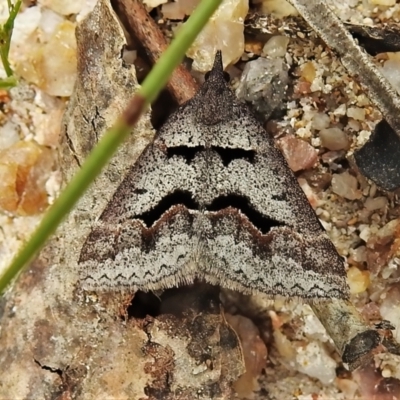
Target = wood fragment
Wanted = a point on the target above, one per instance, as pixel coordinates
(140, 25)
(354, 339)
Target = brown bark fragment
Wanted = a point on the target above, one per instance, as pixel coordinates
(140, 25)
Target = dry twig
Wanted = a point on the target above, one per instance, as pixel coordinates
(140, 25)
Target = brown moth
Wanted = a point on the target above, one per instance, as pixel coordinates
(212, 198)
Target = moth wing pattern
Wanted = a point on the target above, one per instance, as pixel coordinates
(121, 250)
(212, 198)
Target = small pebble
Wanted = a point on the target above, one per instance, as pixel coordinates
(308, 72)
(341, 110)
(154, 3)
(388, 230)
(8, 135)
(320, 121)
(224, 31)
(26, 22)
(386, 373)
(358, 280)
(386, 3)
(353, 125)
(365, 232)
(276, 46)
(24, 170)
(279, 8)
(347, 387)
(356, 113)
(299, 154)
(334, 139)
(333, 157)
(391, 71)
(49, 21)
(318, 180)
(63, 7)
(346, 185)
(309, 192)
(172, 11)
(52, 65)
(358, 254)
(362, 137)
(376, 203)
(263, 84)
(58, 61)
(48, 127)
(314, 360)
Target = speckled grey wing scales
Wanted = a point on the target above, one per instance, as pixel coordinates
(212, 198)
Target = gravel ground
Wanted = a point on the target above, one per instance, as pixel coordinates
(322, 118)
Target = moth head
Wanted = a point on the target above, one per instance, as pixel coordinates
(215, 101)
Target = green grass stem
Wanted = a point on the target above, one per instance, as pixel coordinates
(6, 31)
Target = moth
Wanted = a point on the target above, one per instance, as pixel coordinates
(212, 198)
